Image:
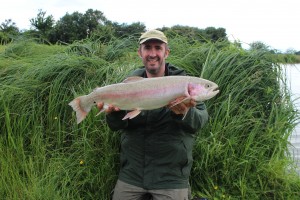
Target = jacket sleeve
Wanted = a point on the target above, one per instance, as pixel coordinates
(195, 119)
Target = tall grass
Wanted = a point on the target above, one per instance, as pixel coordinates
(241, 154)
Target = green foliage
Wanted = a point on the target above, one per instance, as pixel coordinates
(69, 28)
(210, 34)
(28, 48)
(77, 26)
(286, 58)
(243, 151)
(241, 154)
(43, 24)
(8, 31)
(110, 51)
(260, 46)
(9, 26)
(128, 30)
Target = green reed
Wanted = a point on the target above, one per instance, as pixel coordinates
(242, 153)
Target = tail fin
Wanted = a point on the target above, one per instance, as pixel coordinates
(80, 108)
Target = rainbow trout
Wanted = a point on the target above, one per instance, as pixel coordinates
(137, 94)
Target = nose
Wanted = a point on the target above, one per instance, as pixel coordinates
(152, 52)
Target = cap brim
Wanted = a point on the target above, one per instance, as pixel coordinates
(152, 38)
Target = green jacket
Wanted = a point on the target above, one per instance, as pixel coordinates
(156, 146)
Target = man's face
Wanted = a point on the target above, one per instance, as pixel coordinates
(153, 54)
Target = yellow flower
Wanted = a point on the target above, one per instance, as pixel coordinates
(81, 162)
(215, 187)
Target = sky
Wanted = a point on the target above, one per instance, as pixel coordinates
(276, 23)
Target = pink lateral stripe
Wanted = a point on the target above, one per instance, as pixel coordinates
(135, 94)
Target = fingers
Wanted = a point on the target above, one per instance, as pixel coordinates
(191, 103)
(179, 109)
(111, 108)
(100, 105)
(183, 107)
(107, 109)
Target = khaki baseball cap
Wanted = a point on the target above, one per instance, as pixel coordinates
(153, 35)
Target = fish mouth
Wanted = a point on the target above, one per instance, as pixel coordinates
(213, 92)
(216, 90)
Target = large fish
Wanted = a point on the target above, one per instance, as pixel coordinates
(137, 94)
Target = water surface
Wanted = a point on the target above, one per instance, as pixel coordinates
(293, 77)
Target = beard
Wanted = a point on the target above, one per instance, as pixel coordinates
(154, 71)
(156, 68)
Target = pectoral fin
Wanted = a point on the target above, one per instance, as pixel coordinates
(132, 114)
(105, 106)
(180, 101)
(185, 114)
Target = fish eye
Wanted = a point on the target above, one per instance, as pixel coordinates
(207, 86)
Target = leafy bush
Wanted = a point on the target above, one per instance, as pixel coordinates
(241, 154)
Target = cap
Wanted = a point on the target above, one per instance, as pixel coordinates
(153, 35)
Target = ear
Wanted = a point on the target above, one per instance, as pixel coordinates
(139, 52)
(167, 53)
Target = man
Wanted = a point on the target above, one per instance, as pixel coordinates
(156, 146)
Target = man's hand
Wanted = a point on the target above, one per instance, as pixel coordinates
(182, 107)
(109, 109)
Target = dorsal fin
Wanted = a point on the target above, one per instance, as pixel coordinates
(132, 79)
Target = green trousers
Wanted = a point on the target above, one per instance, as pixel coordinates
(124, 191)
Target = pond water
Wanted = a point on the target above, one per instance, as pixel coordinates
(293, 77)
